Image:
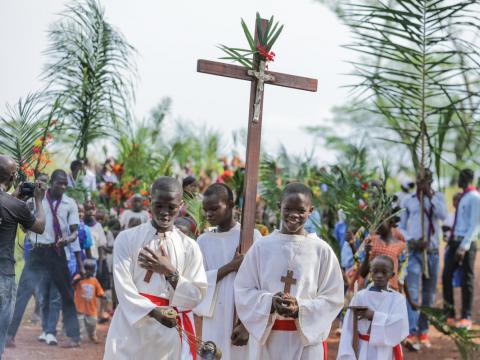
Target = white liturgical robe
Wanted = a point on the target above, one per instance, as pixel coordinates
(133, 334)
(217, 308)
(318, 290)
(387, 329)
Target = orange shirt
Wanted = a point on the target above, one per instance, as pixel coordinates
(86, 293)
(393, 250)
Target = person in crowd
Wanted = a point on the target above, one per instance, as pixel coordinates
(136, 211)
(14, 211)
(419, 241)
(462, 249)
(48, 258)
(87, 290)
(76, 169)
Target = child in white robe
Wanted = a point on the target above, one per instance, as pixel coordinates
(155, 268)
(383, 318)
(289, 288)
(221, 260)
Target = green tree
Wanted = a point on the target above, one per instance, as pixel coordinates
(91, 70)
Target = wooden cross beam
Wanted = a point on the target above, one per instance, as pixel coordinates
(288, 280)
(254, 126)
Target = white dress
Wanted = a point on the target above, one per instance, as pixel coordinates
(133, 334)
(217, 308)
(318, 290)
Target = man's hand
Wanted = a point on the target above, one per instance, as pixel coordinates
(39, 192)
(236, 260)
(365, 314)
(239, 335)
(159, 263)
(160, 314)
(63, 241)
(460, 255)
(368, 246)
(419, 245)
(285, 305)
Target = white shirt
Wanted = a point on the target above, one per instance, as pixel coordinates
(67, 214)
(128, 214)
(468, 218)
(410, 218)
(98, 239)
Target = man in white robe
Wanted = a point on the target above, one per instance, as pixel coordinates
(315, 298)
(136, 331)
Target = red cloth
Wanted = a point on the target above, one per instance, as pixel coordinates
(397, 349)
(289, 325)
(184, 322)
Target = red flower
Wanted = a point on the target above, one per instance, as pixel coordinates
(364, 186)
(268, 56)
(36, 150)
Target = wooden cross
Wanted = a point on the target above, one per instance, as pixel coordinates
(257, 79)
(149, 274)
(289, 281)
(356, 337)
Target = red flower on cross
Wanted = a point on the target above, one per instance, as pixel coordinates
(266, 55)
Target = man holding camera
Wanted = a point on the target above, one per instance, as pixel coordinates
(13, 211)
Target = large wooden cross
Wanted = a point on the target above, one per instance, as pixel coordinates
(254, 124)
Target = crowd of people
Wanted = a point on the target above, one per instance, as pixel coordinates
(141, 270)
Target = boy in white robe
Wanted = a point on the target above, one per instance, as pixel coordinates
(383, 318)
(155, 267)
(222, 260)
(289, 288)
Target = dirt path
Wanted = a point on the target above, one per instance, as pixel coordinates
(28, 348)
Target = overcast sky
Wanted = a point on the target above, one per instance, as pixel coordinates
(171, 35)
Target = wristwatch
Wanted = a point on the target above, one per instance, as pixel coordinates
(172, 278)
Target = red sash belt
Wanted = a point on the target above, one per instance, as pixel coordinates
(183, 322)
(289, 325)
(397, 349)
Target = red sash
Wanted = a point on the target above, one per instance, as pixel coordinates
(183, 322)
(289, 325)
(397, 349)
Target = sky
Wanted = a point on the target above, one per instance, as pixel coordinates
(170, 36)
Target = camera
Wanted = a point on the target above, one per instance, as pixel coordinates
(27, 190)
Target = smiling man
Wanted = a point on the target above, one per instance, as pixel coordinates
(155, 268)
(289, 287)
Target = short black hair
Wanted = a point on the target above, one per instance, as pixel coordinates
(221, 190)
(167, 183)
(385, 258)
(114, 224)
(189, 180)
(297, 188)
(58, 173)
(75, 164)
(468, 174)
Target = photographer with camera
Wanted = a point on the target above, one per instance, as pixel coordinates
(14, 211)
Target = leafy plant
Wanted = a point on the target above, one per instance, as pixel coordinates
(266, 40)
(91, 71)
(194, 208)
(465, 340)
(24, 133)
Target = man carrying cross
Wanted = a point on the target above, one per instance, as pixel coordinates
(287, 290)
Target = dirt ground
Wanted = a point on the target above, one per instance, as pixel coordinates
(28, 348)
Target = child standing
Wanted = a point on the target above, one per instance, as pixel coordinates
(383, 318)
(136, 212)
(288, 289)
(222, 260)
(87, 290)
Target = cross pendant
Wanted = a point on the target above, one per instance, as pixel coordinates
(149, 274)
(289, 281)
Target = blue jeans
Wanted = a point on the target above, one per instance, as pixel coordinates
(27, 286)
(50, 306)
(8, 291)
(418, 323)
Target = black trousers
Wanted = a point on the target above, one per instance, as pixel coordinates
(48, 262)
(468, 280)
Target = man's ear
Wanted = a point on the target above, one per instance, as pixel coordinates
(310, 210)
